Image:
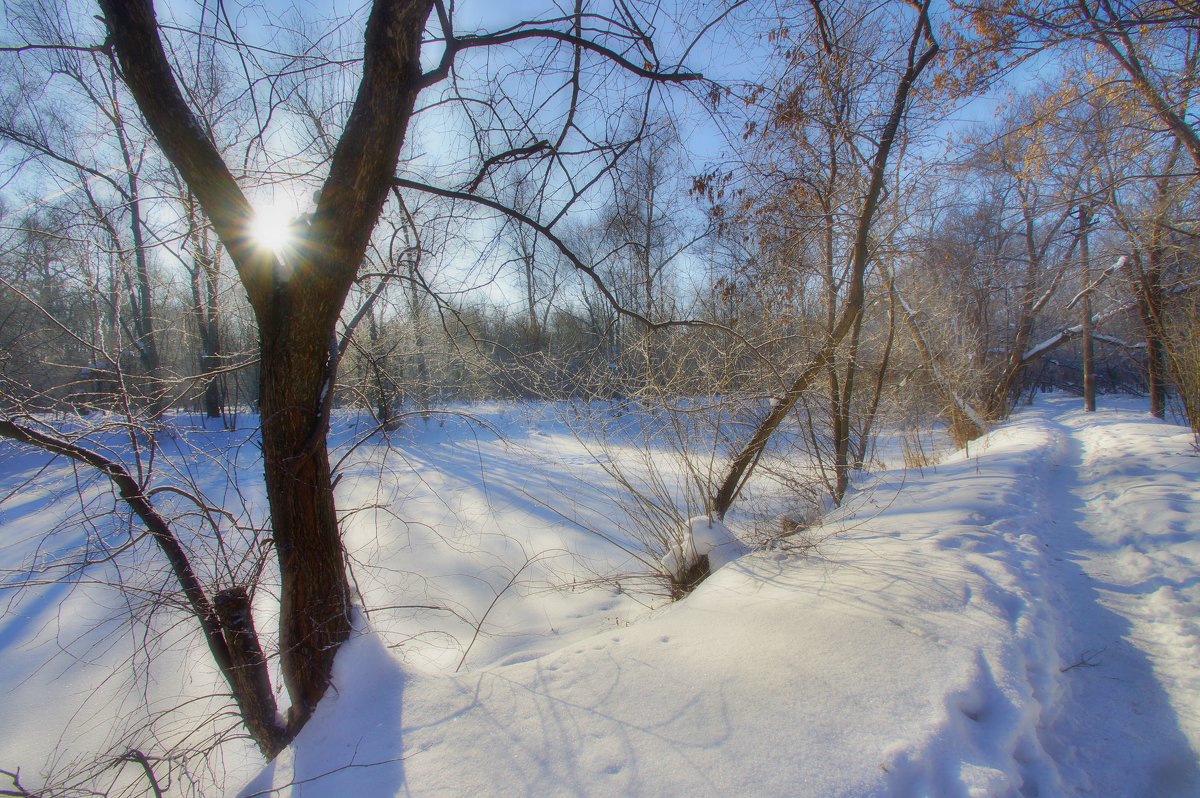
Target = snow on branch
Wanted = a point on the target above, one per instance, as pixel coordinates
(1115, 341)
(1104, 275)
(1070, 333)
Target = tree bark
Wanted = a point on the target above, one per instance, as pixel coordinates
(247, 673)
(1150, 302)
(1085, 280)
(297, 373)
(296, 305)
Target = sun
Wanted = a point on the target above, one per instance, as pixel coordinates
(271, 228)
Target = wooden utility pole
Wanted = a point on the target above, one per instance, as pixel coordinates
(1085, 281)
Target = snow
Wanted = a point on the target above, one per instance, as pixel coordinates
(703, 537)
(1021, 619)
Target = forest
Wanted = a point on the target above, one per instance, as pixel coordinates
(258, 258)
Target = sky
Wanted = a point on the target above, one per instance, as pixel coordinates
(731, 52)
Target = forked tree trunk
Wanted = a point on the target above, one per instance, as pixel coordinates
(296, 307)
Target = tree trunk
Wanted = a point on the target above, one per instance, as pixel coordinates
(1085, 279)
(1007, 385)
(535, 328)
(418, 325)
(864, 439)
(1148, 285)
(206, 310)
(247, 673)
(214, 394)
(296, 307)
(840, 389)
(743, 463)
(381, 385)
(1148, 312)
(296, 386)
(841, 458)
(142, 298)
(1156, 374)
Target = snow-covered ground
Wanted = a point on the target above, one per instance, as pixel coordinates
(1022, 618)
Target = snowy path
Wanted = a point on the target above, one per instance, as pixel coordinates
(1020, 620)
(1120, 499)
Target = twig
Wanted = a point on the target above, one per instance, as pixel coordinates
(1087, 659)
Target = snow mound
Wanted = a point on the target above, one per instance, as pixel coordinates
(703, 537)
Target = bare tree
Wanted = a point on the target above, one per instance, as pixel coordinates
(298, 296)
(204, 273)
(644, 227)
(1153, 47)
(64, 148)
(917, 53)
(1153, 269)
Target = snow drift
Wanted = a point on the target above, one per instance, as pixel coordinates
(1020, 621)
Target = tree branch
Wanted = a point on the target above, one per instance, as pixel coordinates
(133, 31)
(258, 709)
(455, 44)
